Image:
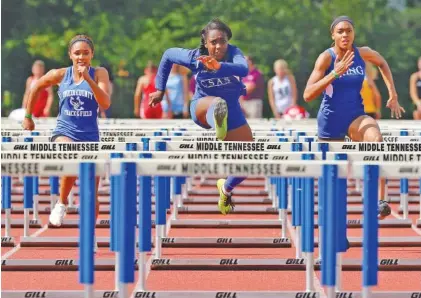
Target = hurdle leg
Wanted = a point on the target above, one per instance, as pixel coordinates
(89, 291)
(274, 199)
(26, 222)
(357, 185)
(404, 187)
(53, 200)
(309, 272)
(183, 195)
(267, 184)
(71, 199)
(8, 222)
(298, 253)
(320, 242)
(284, 223)
(160, 232)
(189, 183)
(142, 271)
(117, 272)
(420, 197)
(35, 209)
(338, 271)
(176, 203)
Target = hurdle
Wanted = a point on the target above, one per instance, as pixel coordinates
(352, 223)
(305, 169)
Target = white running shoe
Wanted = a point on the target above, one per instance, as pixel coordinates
(57, 214)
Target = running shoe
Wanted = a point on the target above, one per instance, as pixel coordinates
(384, 210)
(225, 203)
(220, 116)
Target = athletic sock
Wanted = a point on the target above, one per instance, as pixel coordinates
(232, 182)
(210, 116)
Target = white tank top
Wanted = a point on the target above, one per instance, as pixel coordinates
(282, 93)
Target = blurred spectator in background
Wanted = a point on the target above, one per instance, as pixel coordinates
(44, 101)
(146, 85)
(282, 89)
(295, 113)
(415, 90)
(372, 100)
(107, 113)
(178, 92)
(252, 103)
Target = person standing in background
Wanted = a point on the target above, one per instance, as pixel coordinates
(178, 91)
(145, 86)
(371, 96)
(252, 102)
(415, 91)
(282, 89)
(44, 100)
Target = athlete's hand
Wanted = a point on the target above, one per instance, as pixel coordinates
(28, 124)
(83, 71)
(342, 65)
(394, 106)
(155, 98)
(209, 62)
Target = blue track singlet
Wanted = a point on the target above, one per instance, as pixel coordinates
(225, 82)
(342, 102)
(78, 109)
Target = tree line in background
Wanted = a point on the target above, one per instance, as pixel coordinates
(128, 33)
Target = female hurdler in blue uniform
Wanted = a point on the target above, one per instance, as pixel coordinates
(339, 74)
(218, 68)
(82, 91)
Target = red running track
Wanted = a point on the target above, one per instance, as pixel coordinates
(210, 280)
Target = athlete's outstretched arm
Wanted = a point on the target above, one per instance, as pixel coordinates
(51, 78)
(238, 66)
(172, 56)
(317, 81)
(374, 57)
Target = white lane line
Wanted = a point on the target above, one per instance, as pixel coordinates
(413, 226)
(17, 247)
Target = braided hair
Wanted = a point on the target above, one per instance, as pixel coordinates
(215, 24)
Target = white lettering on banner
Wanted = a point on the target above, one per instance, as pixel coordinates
(26, 168)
